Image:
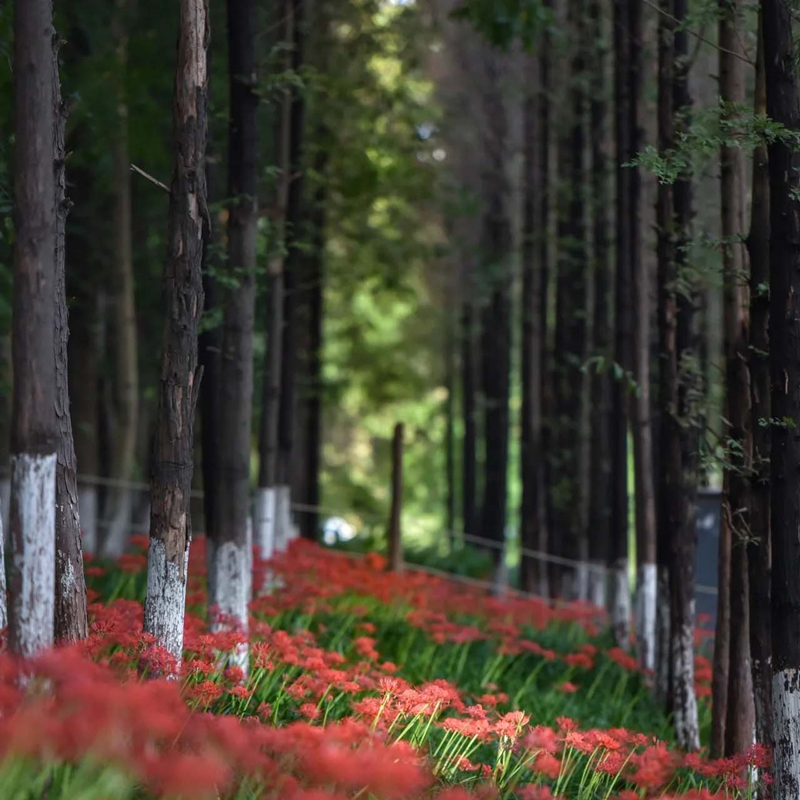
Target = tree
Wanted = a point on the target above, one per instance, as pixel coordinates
(230, 562)
(126, 368)
(70, 599)
(759, 546)
(783, 107)
(34, 438)
(171, 479)
(602, 326)
(739, 726)
(618, 551)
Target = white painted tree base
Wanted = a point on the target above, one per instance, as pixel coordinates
(597, 584)
(582, 581)
(687, 730)
(620, 612)
(119, 531)
(283, 517)
(5, 501)
(231, 584)
(662, 637)
(646, 614)
(33, 502)
(3, 593)
(87, 508)
(786, 727)
(264, 502)
(165, 601)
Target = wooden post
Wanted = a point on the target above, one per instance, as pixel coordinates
(394, 532)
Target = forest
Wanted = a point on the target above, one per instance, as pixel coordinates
(364, 365)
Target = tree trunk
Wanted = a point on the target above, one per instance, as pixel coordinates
(171, 480)
(644, 490)
(6, 382)
(34, 436)
(294, 255)
(395, 532)
(571, 312)
(618, 551)
(759, 547)
(495, 316)
(740, 722)
(126, 378)
(230, 546)
(602, 333)
(450, 433)
(684, 428)
(70, 599)
(783, 106)
(469, 474)
(533, 511)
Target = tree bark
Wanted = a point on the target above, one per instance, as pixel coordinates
(533, 511)
(602, 330)
(618, 551)
(126, 376)
(70, 599)
(171, 479)
(759, 546)
(495, 316)
(395, 532)
(34, 436)
(469, 474)
(783, 106)
(230, 546)
(571, 313)
(684, 428)
(740, 722)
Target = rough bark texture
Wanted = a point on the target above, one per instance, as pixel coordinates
(684, 426)
(618, 549)
(232, 504)
(495, 315)
(171, 480)
(469, 470)
(740, 722)
(644, 483)
(571, 311)
(722, 640)
(534, 518)
(395, 533)
(70, 597)
(783, 106)
(665, 224)
(34, 434)
(126, 375)
(759, 547)
(602, 328)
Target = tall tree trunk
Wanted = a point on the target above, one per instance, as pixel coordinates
(469, 474)
(70, 600)
(759, 547)
(171, 480)
(740, 723)
(533, 512)
(682, 464)
(783, 106)
(602, 332)
(450, 433)
(618, 551)
(126, 378)
(495, 316)
(292, 267)
(266, 495)
(231, 561)
(644, 487)
(34, 437)
(571, 312)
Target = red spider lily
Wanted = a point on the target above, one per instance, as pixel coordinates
(547, 764)
(567, 687)
(620, 657)
(579, 660)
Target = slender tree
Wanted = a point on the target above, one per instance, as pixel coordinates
(618, 551)
(70, 600)
(469, 456)
(533, 512)
(34, 437)
(126, 369)
(230, 563)
(171, 480)
(602, 327)
(783, 106)
(759, 546)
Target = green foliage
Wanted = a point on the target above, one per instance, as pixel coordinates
(505, 21)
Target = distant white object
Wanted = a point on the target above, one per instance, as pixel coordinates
(336, 530)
